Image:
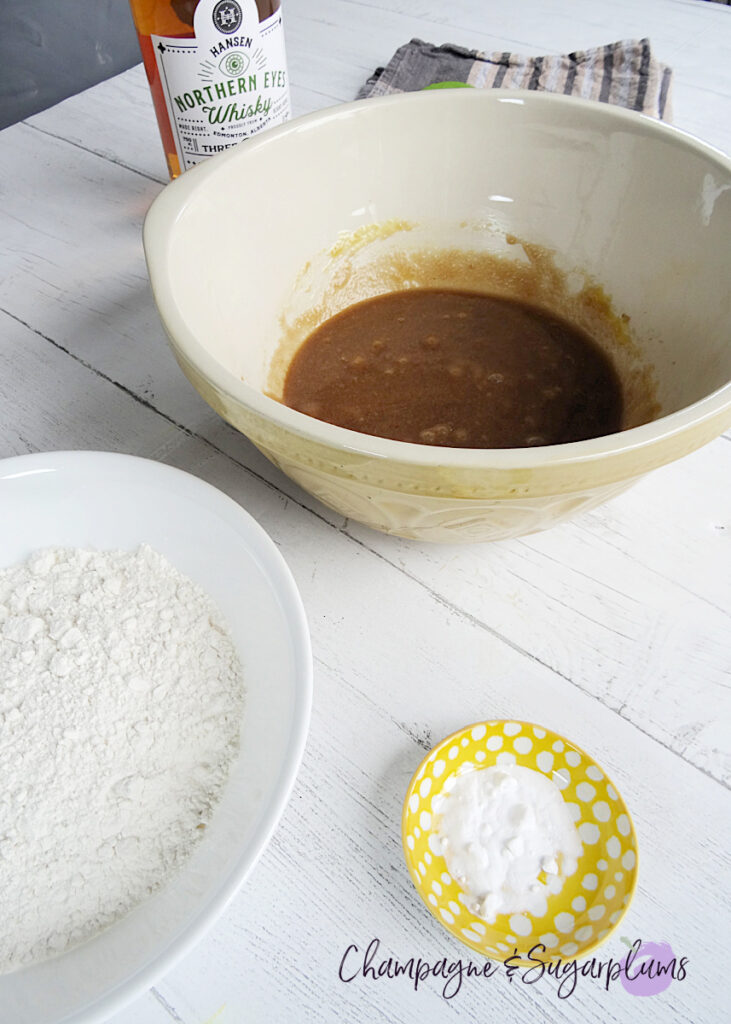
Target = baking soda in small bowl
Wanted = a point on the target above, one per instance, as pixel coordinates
(518, 842)
(508, 838)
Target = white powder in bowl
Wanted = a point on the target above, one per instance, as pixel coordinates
(121, 698)
(508, 839)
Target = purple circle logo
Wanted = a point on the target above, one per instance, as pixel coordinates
(649, 968)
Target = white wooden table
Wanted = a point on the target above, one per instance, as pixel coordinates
(613, 630)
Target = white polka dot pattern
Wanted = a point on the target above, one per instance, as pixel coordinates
(584, 907)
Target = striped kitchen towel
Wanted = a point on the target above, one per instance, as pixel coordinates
(625, 73)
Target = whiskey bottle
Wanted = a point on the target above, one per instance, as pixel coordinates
(217, 72)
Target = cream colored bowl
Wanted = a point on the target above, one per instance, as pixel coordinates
(252, 249)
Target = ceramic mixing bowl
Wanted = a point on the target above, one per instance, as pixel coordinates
(251, 250)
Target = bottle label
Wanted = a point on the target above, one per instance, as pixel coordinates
(227, 83)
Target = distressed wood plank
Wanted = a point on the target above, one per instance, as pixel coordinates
(627, 601)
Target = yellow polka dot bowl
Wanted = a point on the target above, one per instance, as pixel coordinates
(590, 903)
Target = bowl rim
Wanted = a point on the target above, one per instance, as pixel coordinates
(170, 204)
(493, 724)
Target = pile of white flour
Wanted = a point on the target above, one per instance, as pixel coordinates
(121, 698)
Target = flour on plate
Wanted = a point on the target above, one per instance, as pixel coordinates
(121, 698)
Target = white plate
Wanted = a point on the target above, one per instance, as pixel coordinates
(104, 501)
